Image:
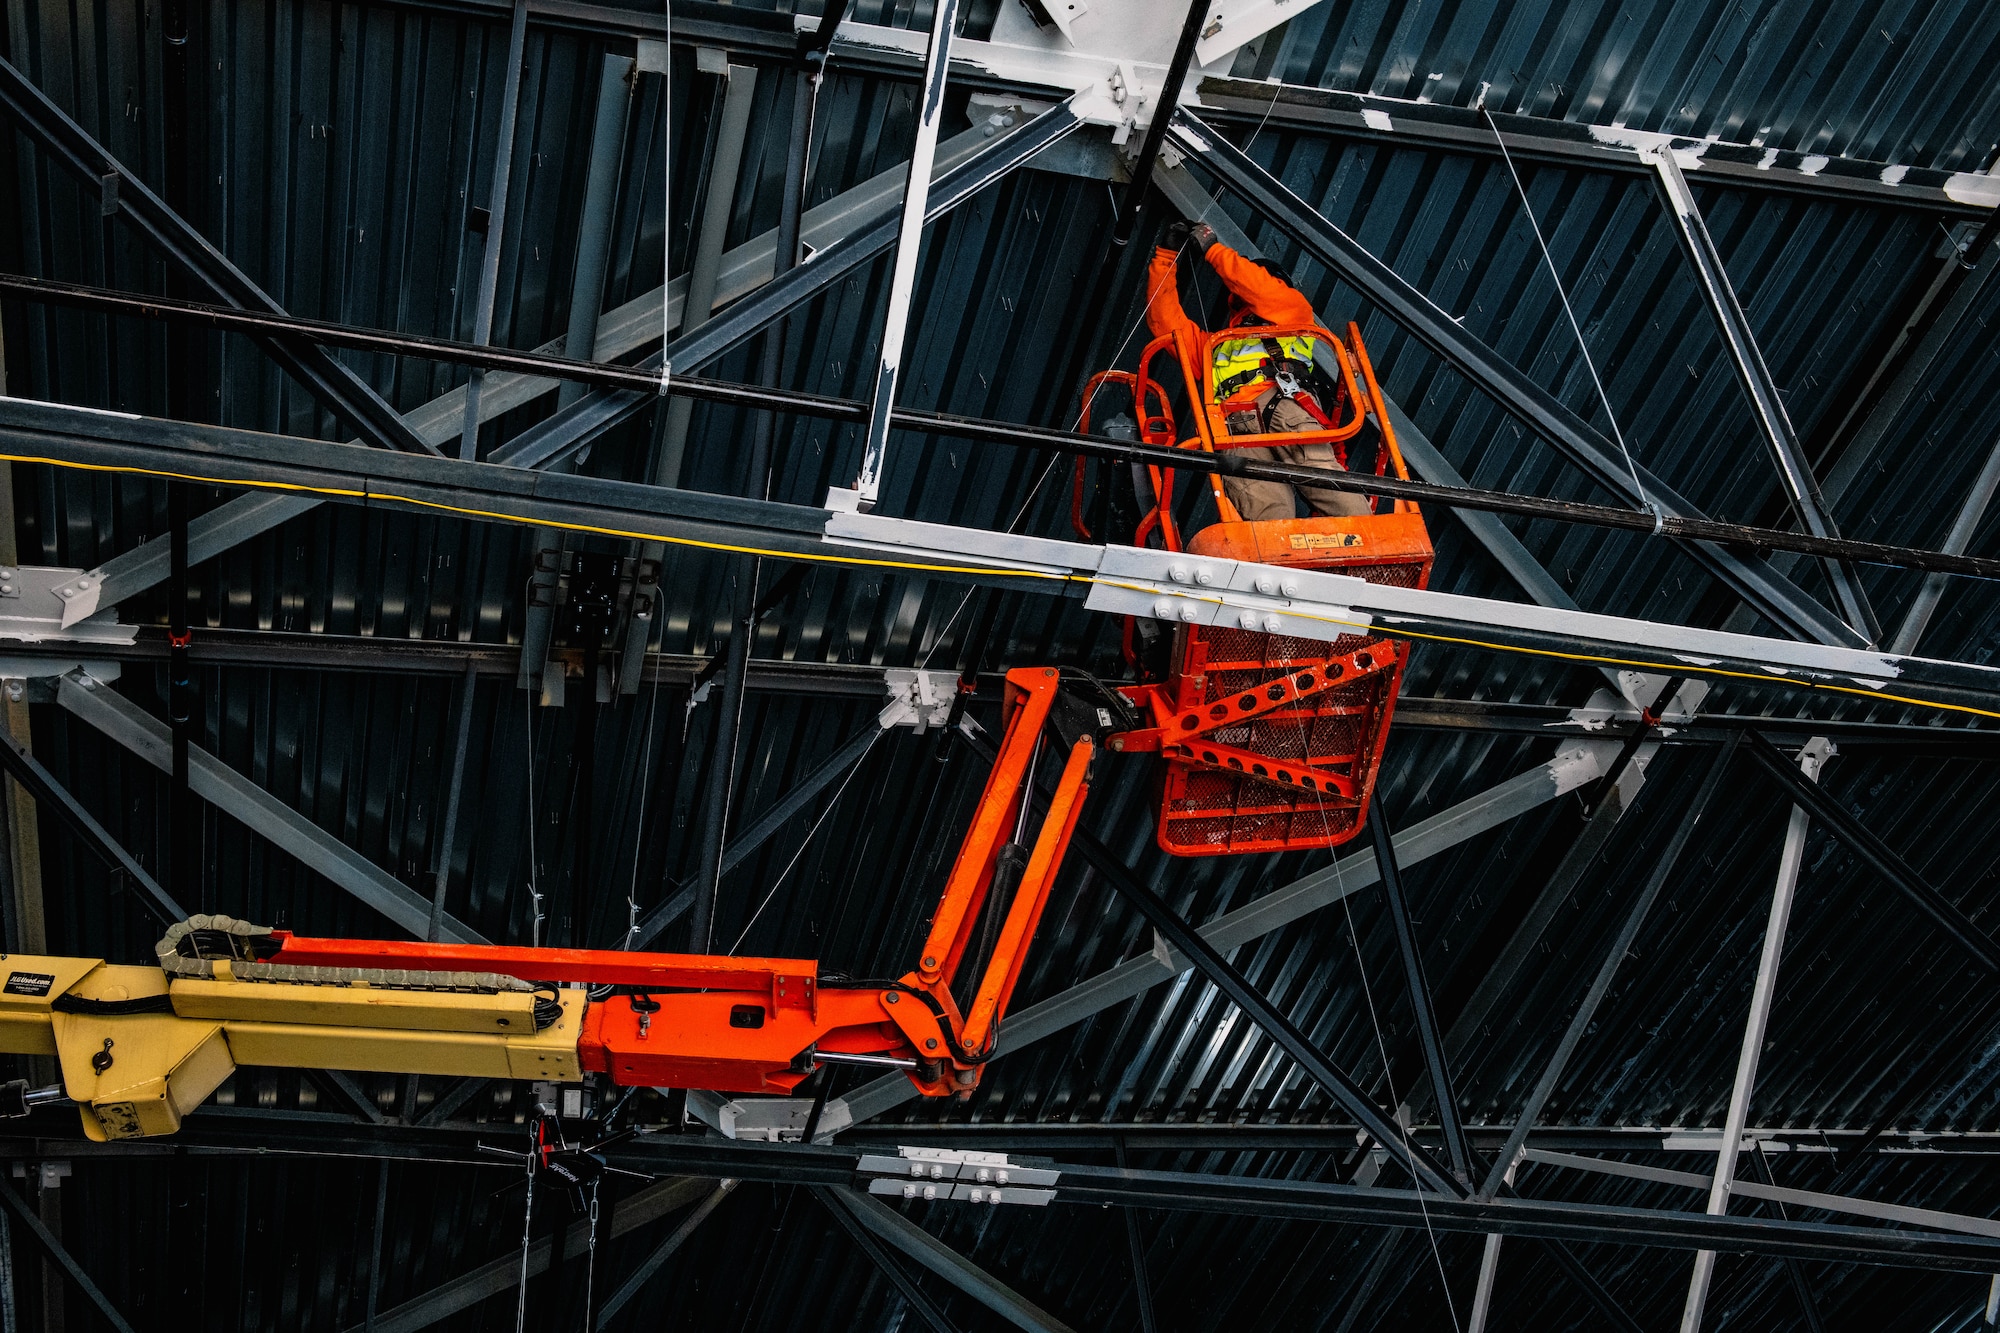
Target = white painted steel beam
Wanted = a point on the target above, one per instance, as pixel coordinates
(1767, 406)
(909, 241)
(1750, 1189)
(1189, 589)
(1811, 757)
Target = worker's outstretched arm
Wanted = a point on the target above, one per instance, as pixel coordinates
(1163, 299)
(1270, 300)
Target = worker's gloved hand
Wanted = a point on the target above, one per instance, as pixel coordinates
(1203, 236)
(1176, 236)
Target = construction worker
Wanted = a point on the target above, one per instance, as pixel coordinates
(1246, 369)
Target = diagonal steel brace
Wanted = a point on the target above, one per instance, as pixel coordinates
(336, 386)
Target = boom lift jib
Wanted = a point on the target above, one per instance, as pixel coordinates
(140, 1047)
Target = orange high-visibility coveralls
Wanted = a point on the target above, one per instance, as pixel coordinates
(1271, 302)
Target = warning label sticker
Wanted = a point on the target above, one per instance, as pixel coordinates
(1323, 541)
(28, 983)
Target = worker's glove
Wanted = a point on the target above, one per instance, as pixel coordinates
(1203, 236)
(1176, 237)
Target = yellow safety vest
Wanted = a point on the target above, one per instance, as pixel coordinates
(1240, 361)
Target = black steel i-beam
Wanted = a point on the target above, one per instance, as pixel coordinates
(260, 1134)
(1771, 594)
(1878, 855)
(1185, 940)
(1164, 101)
(1277, 1025)
(337, 388)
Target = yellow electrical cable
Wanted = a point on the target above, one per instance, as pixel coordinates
(434, 506)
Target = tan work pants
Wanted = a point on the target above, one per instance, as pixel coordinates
(1262, 501)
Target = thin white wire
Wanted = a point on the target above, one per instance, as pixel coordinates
(645, 776)
(807, 842)
(527, 1230)
(1589, 364)
(1388, 1079)
(1019, 514)
(1409, 1150)
(1368, 994)
(666, 199)
(534, 886)
(590, 1262)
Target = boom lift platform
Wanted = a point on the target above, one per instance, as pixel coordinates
(1272, 742)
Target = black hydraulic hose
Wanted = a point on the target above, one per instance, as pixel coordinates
(1227, 463)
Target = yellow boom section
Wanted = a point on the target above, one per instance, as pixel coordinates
(137, 1074)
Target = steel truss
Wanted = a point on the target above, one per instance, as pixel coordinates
(805, 535)
(625, 390)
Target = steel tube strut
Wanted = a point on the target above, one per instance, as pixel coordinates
(337, 388)
(909, 239)
(1766, 405)
(525, 452)
(600, 194)
(1419, 989)
(1918, 617)
(496, 218)
(462, 739)
(649, 1204)
(1754, 1025)
(1142, 1284)
(739, 93)
(662, 1252)
(729, 146)
(893, 1228)
(750, 839)
(24, 768)
(1164, 103)
(1777, 598)
(919, 1300)
(237, 796)
(53, 1247)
